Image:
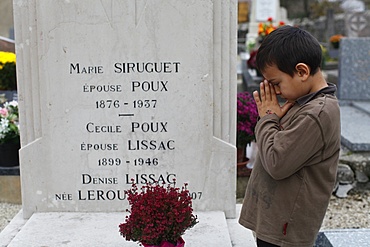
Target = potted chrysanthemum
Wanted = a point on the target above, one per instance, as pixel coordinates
(247, 116)
(159, 215)
(335, 39)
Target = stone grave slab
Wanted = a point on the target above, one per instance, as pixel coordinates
(343, 238)
(355, 128)
(101, 229)
(240, 236)
(362, 105)
(212, 226)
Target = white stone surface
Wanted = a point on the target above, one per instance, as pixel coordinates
(240, 236)
(12, 229)
(65, 49)
(101, 229)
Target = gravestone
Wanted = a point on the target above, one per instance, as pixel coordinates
(128, 96)
(261, 10)
(116, 92)
(354, 93)
(354, 70)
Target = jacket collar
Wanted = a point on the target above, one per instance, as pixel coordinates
(330, 89)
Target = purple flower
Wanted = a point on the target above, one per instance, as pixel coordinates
(247, 116)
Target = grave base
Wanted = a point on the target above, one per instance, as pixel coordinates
(343, 237)
(101, 229)
(355, 118)
(10, 189)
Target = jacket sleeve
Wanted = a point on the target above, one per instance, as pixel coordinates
(284, 151)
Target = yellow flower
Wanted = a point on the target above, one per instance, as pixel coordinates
(8, 78)
(6, 57)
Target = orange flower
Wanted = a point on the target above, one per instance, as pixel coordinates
(260, 28)
(335, 38)
(265, 29)
(270, 29)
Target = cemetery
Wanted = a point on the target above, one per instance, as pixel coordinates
(114, 100)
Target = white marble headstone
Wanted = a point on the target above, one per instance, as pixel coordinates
(111, 91)
(261, 10)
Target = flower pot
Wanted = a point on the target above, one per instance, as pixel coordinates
(241, 169)
(9, 154)
(335, 45)
(241, 154)
(180, 243)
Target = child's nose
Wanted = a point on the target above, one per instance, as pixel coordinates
(277, 90)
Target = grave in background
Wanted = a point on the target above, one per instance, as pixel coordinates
(261, 10)
(111, 91)
(354, 93)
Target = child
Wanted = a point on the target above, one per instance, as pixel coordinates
(299, 142)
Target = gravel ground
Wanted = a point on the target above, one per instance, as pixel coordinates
(350, 212)
(7, 212)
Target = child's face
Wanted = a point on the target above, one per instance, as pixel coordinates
(289, 88)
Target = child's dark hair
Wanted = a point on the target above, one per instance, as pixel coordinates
(286, 47)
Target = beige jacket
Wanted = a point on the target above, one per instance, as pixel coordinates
(295, 171)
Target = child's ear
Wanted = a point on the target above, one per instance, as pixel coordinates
(303, 71)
